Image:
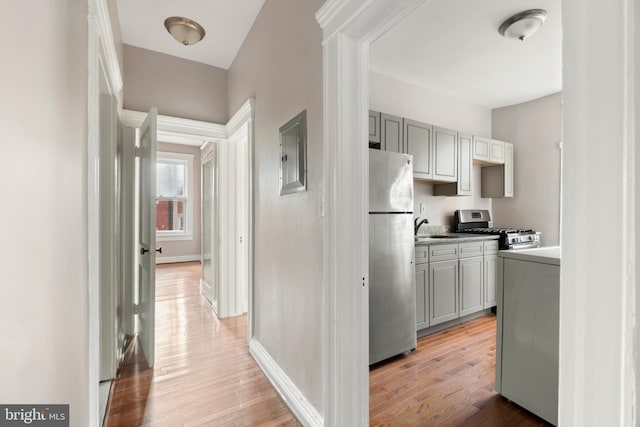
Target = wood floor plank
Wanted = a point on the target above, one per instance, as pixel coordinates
(447, 381)
(203, 374)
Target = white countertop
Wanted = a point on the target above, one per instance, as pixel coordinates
(453, 238)
(545, 255)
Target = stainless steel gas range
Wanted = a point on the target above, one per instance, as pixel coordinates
(477, 222)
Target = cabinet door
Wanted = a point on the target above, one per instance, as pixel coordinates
(508, 170)
(496, 152)
(374, 128)
(465, 164)
(471, 270)
(497, 181)
(471, 249)
(418, 141)
(391, 133)
(490, 280)
(443, 291)
(481, 148)
(422, 296)
(445, 154)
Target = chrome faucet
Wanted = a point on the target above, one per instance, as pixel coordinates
(417, 225)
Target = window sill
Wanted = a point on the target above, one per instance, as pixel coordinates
(170, 237)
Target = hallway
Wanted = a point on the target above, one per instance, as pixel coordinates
(204, 374)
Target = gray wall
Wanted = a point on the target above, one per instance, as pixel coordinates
(280, 64)
(534, 128)
(173, 248)
(176, 86)
(390, 95)
(43, 258)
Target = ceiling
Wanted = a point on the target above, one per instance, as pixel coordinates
(453, 47)
(226, 23)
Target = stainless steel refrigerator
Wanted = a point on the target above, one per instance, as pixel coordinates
(392, 304)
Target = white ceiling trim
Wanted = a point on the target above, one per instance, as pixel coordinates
(177, 130)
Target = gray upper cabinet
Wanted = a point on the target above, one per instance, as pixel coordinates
(508, 170)
(487, 151)
(497, 181)
(391, 133)
(465, 170)
(465, 164)
(445, 155)
(374, 129)
(418, 139)
(497, 151)
(481, 148)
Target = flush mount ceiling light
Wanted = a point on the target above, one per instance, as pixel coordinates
(184, 30)
(523, 24)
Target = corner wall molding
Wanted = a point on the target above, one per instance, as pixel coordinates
(108, 44)
(244, 113)
(292, 396)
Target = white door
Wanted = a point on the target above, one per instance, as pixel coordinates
(147, 236)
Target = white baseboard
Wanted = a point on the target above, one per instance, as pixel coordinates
(171, 259)
(295, 400)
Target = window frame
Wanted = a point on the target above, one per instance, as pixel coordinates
(187, 160)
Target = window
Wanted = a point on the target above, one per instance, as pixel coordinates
(174, 196)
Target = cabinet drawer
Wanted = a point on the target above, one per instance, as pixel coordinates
(471, 249)
(443, 252)
(491, 247)
(422, 254)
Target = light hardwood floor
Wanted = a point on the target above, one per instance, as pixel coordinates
(447, 381)
(204, 374)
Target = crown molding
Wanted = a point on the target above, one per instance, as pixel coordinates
(244, 113)
(177, 130)
(108, 44)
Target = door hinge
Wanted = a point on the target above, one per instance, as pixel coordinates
(136, 308)
(138, 152)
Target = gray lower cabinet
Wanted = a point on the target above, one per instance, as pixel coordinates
(391, 133)
(490, 280)
(443, 291)
(422, 293)
(454, 280)
(471, 289)
(490, 273)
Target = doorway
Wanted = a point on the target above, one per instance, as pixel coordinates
(126, 252)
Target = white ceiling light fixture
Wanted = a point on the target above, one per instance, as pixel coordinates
(184, 30)
(523, 25)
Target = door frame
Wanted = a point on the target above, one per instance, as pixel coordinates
(101, 53)
(349, 27)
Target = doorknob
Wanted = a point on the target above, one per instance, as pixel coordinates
(144, 250)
